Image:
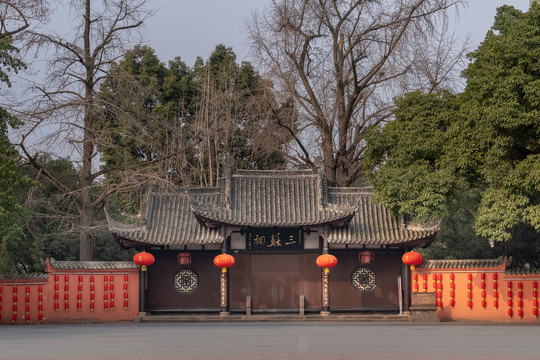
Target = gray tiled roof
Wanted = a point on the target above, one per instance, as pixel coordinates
(170, 220)
(275, 198)
(24, 277)
(373, 224)
(269, 198)
(462, 264)
(91, 265)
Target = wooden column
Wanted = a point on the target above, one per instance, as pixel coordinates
(224, 286)
(406, 284)
(325, 282)
(224, 279)
(325, 293)
(142, 291)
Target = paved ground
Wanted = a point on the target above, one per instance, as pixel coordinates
(258, 341)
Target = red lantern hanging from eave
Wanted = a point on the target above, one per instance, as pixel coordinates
(224, 261)
(412, 258)
(366, 257)
(326, 261)
(143, 259)
(184, 258)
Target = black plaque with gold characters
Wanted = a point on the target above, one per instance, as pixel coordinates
(274, 239)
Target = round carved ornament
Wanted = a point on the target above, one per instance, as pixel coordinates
(186, 281)
(363, 279)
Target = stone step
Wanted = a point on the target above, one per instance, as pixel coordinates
(273, 318)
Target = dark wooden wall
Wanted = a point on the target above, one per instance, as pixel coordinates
(387, 268)
(275, 283)
(163, 297)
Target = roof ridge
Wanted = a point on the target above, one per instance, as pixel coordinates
(274, 173)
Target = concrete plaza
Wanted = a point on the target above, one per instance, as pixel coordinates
(258, 341)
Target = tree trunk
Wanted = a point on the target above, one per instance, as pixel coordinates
(86, 252)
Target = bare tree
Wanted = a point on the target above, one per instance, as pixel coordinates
(342, 62)
(16, 15)
(65, 113)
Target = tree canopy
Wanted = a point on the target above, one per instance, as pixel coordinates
(12, 179)
(195, 118)
(441, 146)
(340, 63)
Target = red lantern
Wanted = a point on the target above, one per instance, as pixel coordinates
(184, 258)
(366, 257)
(496, 303)
(412, 258)
(452, 302)
(484, 303)
(224, 261)
(326, 261)
(143, 259)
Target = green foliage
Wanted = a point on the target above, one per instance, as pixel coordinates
(12, 210)
(12, 180)
(441, 146)
(404, 158)
(188, 119)
(50, 227)
(8, 61)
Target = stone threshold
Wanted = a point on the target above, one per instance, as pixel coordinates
(342, 317)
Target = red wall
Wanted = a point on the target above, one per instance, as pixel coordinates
(485, 294)
(68, 296)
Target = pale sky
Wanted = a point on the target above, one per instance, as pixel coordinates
(189, 28)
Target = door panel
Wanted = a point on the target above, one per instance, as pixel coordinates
(262, 282)
(287, 281)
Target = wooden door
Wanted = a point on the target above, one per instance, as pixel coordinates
(276, 282)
